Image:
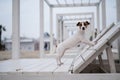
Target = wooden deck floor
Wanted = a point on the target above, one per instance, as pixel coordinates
(46, 65)
(45, 69)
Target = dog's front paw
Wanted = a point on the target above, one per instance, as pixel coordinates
(60, 64)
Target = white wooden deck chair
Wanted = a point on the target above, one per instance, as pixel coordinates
(108, 35)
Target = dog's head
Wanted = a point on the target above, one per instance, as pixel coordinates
(83, 25)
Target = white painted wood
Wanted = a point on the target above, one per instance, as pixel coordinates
(71, 5)
(103, 14)
(80, 62)
(51, 30)
(77, 63)
(57, 29)
(47, 3)
(72, 14)
(88, 54)
(118, 10)
(79, 68)
(103, 32)
(61, 77)
(62, 22)
(41, 48)
(118, 41)
(15, 29)
(118, 20)
(111, 60)
(93, 25)
(113, 32)
(98, 18)
(77, 19)
(10, 66)
(94, 51)
(60, 31)
(64, 67)
(47, 65)
(34, 65)
(107, 36)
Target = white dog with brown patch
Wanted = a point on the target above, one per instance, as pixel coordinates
(73, 41)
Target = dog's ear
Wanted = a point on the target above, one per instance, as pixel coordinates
(78, 24)
(87, 23)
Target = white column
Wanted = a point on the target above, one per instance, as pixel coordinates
(93, 26)
(57, 29)
(62, 30)
(51, 30)
(15, 29)
(98, 19)
(41, 28)
(65, 33)
(60, 27)
(118, 10)
(103, 14)
(90, 29)
(118, 20)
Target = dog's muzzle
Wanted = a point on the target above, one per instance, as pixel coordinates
(83, 28)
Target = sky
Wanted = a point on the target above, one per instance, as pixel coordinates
(29, 16)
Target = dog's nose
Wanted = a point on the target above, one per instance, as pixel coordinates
(83, 28)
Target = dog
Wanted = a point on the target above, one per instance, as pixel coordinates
(78, 37)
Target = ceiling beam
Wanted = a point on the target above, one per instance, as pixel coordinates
(76, 5)
(75, 14)
(47, 3)
(99, 2)
(58, 2)
(76, 19)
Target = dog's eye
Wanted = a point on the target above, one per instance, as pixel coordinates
(80, 24)
(85, 24)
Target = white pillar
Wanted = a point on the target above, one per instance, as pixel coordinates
(98, 19)
(62, 30)
(90, 30)
(118, 10)
(65, 33)
(103, 14)
(93, 26)
(15, 29)
(118, 20)
(58, 29)
(51, 30)
(41, 28)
